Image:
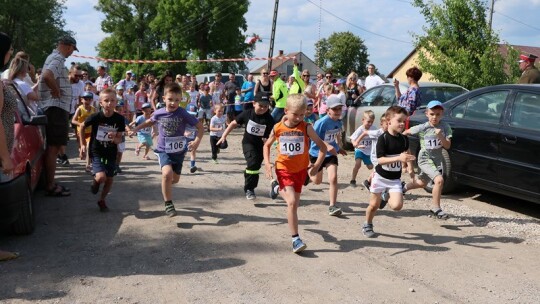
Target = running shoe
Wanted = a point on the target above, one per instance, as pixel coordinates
(352, 183)
(169, 209)
(102, 206)
(366, 184)
(334, 210)
(118, 170)
(274, 189)
(384, 199)
(250, 195)
(298, 246)
(193, 169)
(367, 230)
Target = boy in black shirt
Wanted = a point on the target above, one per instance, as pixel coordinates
(391, 151)
(107, 130)
(259, 123)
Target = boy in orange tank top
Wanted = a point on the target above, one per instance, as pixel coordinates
(293, 135)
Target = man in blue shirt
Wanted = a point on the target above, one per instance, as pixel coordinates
(247, 90)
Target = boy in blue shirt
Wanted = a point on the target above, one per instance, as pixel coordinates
(329, 128)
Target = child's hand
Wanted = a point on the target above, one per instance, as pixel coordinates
(268, 170)
(314, 170)
(82, 153)
(342, 152)
(406, 157)
(192, 146)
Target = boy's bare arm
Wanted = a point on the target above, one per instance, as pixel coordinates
(266, 154)
(231, 127)
(145, 124)
(74, 120)
(322, 149)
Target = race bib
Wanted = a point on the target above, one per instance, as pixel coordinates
(104, 133)
(393, 167)
(256, 129)
(432, 142)
(175, 144)
(291, 145)
(331, 135)
(366, 143)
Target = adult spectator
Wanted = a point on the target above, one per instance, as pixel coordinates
(372, 79)
(18, 72)
(217, 89)
(320, 92)
(85, 77)
(157, 95)
(264, 84)
(299, 83)
(127, 82)
(352, 89)
(411, 99)
(55, 96)
(230, 94)
(530, 72)
(194, 82)
(248, 88)
(28, 79)
(279, 94)
(104, 80)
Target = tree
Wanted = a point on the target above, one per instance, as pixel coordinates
(343, 51)
(92, 72)
(459, 47)
(34, 26)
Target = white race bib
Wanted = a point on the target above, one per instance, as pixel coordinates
(291, 145)
(393, 167)
(256, 129)
(432, 142)
(331, 135)
(367, 144)
(175, 144)
(104, 133)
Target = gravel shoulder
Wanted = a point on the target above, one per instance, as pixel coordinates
(222, 248)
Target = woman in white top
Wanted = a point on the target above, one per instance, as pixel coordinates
(18, 71)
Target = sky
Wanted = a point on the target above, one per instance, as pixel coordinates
(385, 26)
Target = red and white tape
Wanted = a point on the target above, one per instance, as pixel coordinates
(179, 61)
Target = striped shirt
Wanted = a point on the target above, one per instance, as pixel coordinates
(101, 81)
(55, 64)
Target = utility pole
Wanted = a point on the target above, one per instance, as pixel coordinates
(491, 14)
(272, 37)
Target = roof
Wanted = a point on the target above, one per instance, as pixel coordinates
(283, 62)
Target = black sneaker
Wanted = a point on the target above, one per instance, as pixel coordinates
(403, 189)
(64, 160)
(273, 192)
(308, 180)
(94, 188)
(352, 183)
(169, 209)
(193, 169)
(366, 184)
(102, 206)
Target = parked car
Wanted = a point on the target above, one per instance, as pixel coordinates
(379, 98)
(495, 142)
(209, 77)
(16, 190)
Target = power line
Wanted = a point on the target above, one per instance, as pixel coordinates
(513, 19)
(356, 26)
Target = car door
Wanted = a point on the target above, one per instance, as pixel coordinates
(519, 158)
(475, 123)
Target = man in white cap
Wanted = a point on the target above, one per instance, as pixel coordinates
(530, 72)
(127, 82)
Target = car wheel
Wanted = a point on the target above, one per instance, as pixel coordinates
(25, 223)
(449, 183)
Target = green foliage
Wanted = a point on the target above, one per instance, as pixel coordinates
(174, 29)
(343, 51)
(459, 47)
(87, 66)
(33, 25)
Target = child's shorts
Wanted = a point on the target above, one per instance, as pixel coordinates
(102, 164)
(172, 159)
(429, 169)
(329, 160)
(296, 180)
(379, 184)
(365, 158)
(202, 112)
(122, 147)
(145, 139)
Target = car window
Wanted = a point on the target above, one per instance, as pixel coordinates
(526, 111)
(371, 97)
(486, 107)
(441, 94)
(388, 95)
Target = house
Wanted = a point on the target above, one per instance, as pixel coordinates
(285, 66)
(412, 60)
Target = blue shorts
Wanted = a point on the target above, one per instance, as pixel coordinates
(145, 139)
(172, 159)
(365, 158)
(102, 164)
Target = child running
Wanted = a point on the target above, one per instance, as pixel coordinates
(172, 144)
(191, 134)
(362, 150)
(434, 135)
(259, 123)
(144, 136)
(81, 114)
(107, 130)
(392, 149)
(293, 135)
(217, 127)
(329, 129)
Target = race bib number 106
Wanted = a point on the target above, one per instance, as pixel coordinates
(175, 144)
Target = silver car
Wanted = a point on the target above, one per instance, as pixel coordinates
(379, 98)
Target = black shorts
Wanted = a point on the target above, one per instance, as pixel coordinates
(329, 160)
(104, 164)
(57, 126)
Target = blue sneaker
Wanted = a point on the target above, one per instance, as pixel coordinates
(273, 185)
(384, 199)
(298, 246)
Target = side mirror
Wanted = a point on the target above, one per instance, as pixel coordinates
(38, 120)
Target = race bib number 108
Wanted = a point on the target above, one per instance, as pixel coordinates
(291, 145)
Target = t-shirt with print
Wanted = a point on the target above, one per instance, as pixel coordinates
(217, 122)
(374, 136)
(139, 121)
(430, 145)
(410, 100)
(171, 127)
(389, 146)
(366, 141)
(101, 144)
(328, 130)
(257, 126)
(193, 96)
(292, 148)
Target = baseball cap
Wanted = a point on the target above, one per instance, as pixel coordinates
(262, 97)
(68, 40)
(120, 104)
(87, 95)
(340, 81)
(529, 58)
(309, 102)
(434, 103)
(273, 73)
(178, 76)
(191, 109)
(333, 101)
(119, 87)
(146, 105)
(129, 72)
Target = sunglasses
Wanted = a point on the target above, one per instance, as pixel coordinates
(79, 76)
(328, 76)
(305, 75)
(265, 73)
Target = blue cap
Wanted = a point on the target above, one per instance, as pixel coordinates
(434, 103)
(88, 95)
(191, 109)
(120, 103)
